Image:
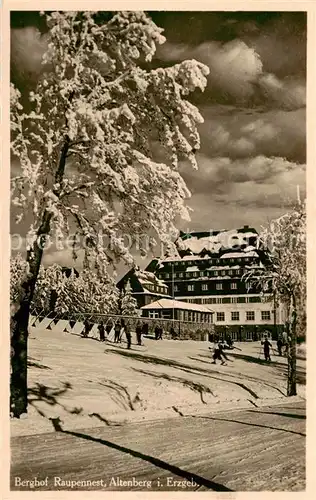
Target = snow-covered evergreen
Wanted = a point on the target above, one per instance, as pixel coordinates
(128, 303)
(85, 293)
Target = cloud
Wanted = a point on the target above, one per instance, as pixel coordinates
(237, 74)
(210, 213)
(234, 67)
(281, 44)
(27, 49)
(238, 134)
(257, 181)
(288, 94)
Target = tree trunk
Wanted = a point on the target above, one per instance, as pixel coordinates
(20, 320)
(291, 380)
(19, 334)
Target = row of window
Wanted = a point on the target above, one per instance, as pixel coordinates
(156, 288)
(200, 274)
(250, 316)
(225, 300)
(191, 316)
(191, 287)
(211, 261)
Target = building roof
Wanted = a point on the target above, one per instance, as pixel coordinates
(177, 304)
(216, 241)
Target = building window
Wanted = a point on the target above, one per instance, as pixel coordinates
(166, 314)
(195, 274)
(220, 316)
(218, 301)
(241, 300)
(233, 286)
(190, 288)
(167, 275)
(223, 273)
(235, 315)
(215, 273)
(250, 315)
(153, 314)
(204, 286)
(237, 272)
(230, 272)
(265, 315)
(226, 300)
(180, 275)
(255, 299)
(219, 286)
(175, 288)
(249, 335)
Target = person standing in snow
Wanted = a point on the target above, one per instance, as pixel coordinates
(280, 345)
(87, 328)
(128, 334)
(160, 333)
(266, 348)
(117, 330)
(101, 331)
(139, 333)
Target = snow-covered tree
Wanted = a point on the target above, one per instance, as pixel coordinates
(128, 303)
(87, 148)
(284, 243)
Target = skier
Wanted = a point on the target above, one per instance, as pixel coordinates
(87, 328)
(139, 333)
(160, 332)
(280, 345)
(266, 348)
(117, 330)
(128, 334)
(101, 331)
(229, 341)
(219, 354)
(108, 327)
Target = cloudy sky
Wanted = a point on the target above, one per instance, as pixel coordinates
(253, 150)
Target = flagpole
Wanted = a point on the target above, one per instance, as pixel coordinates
(172, 270)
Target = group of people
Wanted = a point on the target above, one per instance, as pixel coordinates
(283, 341)
(218, 349)
(120, 327)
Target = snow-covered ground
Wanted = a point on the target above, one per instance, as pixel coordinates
(84, 382)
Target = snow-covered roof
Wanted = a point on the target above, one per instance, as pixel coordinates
(176, 304)
(192, 269)
(147, 292)
(186, 257)
(238, 255)
(146, 277)
(215, 242)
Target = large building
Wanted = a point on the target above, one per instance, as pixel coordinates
(210, 270)
(146, 287)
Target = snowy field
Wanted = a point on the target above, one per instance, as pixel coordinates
(84, 382)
